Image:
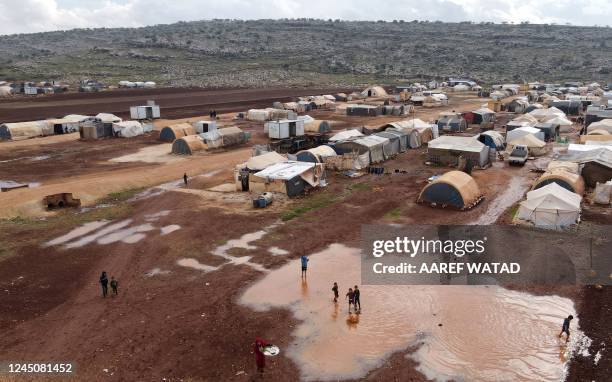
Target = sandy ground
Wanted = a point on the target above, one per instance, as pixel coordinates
(176, 322)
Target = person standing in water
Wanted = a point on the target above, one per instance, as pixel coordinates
(260, 357)
(104, 283)
(185, 179)
(357, 294)
(335, 290)
(565, 327)
(351, 298)
(304, 260)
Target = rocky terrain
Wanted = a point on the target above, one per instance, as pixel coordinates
(310, 52)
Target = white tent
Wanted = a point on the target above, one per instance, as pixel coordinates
(522, 131)
(550, 206)
(128, 129)
(108, 118)
(344, 135)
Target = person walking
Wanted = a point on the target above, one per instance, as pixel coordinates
(260, 357)
(304, 260)
(185, 178)
(104, 283)
(351, 298)
(114, 285)
(356, 301)
(565, 327)
(335, 290)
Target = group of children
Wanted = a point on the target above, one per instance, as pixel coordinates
(353, 296)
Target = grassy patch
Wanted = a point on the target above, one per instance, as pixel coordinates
(395, 213)
(120, 196)
(311, 203)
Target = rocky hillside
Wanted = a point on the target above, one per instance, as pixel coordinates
(304, 52)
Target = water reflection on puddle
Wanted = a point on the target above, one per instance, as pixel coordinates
(486, 333)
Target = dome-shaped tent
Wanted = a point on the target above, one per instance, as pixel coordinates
(188, 145)
(5, 91)
(374, 91)
(455, 188)
(493, 139)
(565, 179)
(316, 154)
(173, 132)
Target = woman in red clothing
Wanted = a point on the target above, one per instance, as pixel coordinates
(260, 358)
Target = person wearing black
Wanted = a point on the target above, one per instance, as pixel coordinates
(104, 283)
(335, 290)
(114, 285)
(357, 293)
(185, 178)
(565, 327)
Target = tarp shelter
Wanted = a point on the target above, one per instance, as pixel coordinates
(565, 179)
(483, 116)
(394, 147)
(596, 165)
(565, 125)
(128, 129)
(316, 154)
(452, 122)
(550, 206)
(260, 162)
(402, 136)
(522, 131)
(290, 177)
(144, 112)
(204, 126)
(188, 145)
(543, 115)
(363, 110)
(75, 117)
(536, 147)
(108, 118)
(604, 124)
(173, 132)
(455, 189)
(603, 193)
(374, 91)
(446, 150)
(346, 134)
(363, 145)
(526, 118)
(576, 148)
(513, 125)
(24, 130)
(316, 126)
(61, 126)
(518, 106)
(550, 130)
(228, 136)
(5, 91)
(493, 139)
(568, 166)
(413, 139)
(94, 128)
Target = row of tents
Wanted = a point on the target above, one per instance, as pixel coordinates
(90, 127)
(188, 139)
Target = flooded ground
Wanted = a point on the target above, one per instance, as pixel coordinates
(464, 333)
(513, 193)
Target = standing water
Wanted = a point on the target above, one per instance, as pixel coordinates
(474, 333)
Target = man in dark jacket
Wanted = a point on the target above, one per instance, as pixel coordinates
(114, 285)
(357, 294)
(104, 283)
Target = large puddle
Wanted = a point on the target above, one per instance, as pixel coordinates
(464, 333)
(513, 193)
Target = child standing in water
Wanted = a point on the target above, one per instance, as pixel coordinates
(351, 298)
(335, 290)
(565, 327)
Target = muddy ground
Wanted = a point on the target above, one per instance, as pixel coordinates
(174, 102)
(178, 323)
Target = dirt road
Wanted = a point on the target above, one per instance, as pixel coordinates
(174, 102)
